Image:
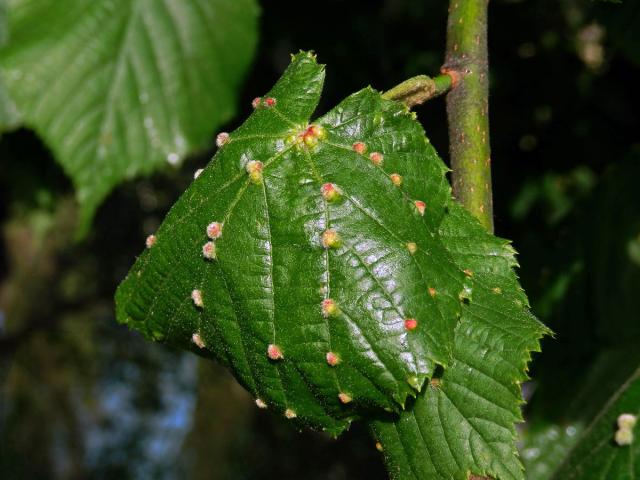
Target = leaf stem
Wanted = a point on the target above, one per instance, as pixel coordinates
(468, 107)
(419, 89)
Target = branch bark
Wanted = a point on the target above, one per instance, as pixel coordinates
(468, 107)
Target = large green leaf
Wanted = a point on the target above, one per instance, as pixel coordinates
(429, 263)
(464, 422)
(272, 274)
(120, 88)
(9, 117)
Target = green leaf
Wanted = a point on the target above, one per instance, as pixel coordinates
(272, 274)
(599, 453)
(464, 422)
(120, 88)
(9, 118)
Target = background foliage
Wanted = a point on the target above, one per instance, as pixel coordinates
(83, 397)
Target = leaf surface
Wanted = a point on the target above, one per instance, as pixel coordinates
(419, 288)
(120, 88)
(464, 421)
(272, 272)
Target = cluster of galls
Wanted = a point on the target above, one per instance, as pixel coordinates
(307, 137)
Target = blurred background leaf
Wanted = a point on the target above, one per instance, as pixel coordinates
(600, 452)
(8, 114)
(120, 88)
(591, 299)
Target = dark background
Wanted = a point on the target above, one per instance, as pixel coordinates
(82, 397)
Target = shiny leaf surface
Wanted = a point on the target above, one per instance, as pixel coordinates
(340, 277)
(321, 255)
(464, 422)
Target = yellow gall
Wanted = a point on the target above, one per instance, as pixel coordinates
(260, 403)
(196, 296)
(311, 136)
(376, 158)
(290, 414)
(332, 359)
(274, 352)
(254, 169)
(197, 340)
(222, 138)
(310, 140)
(359, 147)
(468, 272)
(627, 420)
(379, 447)
(214, 230)
(412, 247)
(329, 308)
(150, 241)
(624, 437)
(330, 192)
(345, 398)
(318, 131)
(209, 250)
(331, 239)
(432, 291)
(396, 179)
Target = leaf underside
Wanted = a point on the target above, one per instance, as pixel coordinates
(118, 89)
(394, 261)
